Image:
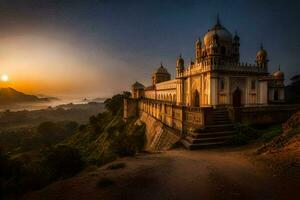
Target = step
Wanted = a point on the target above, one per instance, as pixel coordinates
(216, 128)
(202, 145)
(218, 122)
(213, 114)
(217, 116)
(210, 139)
(211, 134)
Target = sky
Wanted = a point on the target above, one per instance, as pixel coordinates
(100, 47)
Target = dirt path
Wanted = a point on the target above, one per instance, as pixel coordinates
(177, 174)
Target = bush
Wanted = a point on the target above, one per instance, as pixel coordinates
(51, 133)
(129, 141)
(62, 162)
(244, 136)
(115, 104)
(271, 133)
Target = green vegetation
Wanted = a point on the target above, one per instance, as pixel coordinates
(270, 133)
(247, 134)
(33, 157)
(46, 134)
(107, 136)
(244, 136)
(70, 112)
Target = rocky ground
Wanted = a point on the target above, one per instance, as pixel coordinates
(225, 173)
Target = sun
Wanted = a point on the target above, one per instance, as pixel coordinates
(4, 77)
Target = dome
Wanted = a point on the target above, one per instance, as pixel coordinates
(261, 52)
(161, 70)
(217, 31)
(278, 75)
(138, 85)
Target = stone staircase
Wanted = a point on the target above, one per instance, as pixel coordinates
(217, 131)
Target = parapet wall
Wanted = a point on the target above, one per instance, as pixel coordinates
(270, 114)
(180, 118)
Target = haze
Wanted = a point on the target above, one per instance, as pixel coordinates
(98, 48)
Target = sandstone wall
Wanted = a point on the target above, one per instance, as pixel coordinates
(263, 115)
(159, 136)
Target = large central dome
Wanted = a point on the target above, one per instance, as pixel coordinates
(223, 34)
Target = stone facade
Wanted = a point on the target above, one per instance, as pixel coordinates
(215, 79)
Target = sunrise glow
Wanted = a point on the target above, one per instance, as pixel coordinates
(4, 78)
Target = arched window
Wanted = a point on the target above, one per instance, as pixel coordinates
(276, 95)
(204, 84)
(222, 84)
(223, 50)
(196, 99)
(253, 84)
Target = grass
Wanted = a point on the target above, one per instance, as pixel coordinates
(105, 182)
(247, 134)
(115, 166)
(271, 132)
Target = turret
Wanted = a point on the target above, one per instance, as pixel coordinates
(262, 57)
(198, 50)
(160, 75)
(137, 90)
(236, 48)
(179, 65)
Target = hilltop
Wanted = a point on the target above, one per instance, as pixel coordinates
(245, 172)
(11, 96)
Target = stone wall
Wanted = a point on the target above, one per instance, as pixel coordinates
(270, 114)
(159, 136)
(130, 108)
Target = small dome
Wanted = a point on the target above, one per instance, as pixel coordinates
(217, 31)
(262, 53)
(138, 85)
(278, 75)
(161, 70)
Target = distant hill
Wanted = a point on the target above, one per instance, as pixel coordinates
(11, 96)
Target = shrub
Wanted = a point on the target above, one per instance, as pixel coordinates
(115, 103)
(62, 161)
(244, 136)
(130, 141)
(51, 133)
(271, 133)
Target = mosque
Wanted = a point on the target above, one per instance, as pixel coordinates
(216, 77)
(212, 92)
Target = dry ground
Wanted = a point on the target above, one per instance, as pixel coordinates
(229, 173)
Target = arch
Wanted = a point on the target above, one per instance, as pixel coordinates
(276, 95)
(222, 84)
(174, 98)
(223, 50)
(237, 98)
(196, 102)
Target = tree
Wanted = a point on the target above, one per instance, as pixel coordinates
(62, 161)
(115, 103)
